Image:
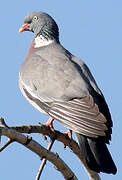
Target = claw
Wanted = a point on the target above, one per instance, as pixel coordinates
(68, 133)
(49, 123)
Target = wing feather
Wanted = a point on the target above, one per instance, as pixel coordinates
(80, 115)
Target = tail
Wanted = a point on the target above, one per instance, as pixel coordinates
(96, 154)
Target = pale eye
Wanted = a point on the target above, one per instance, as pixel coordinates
(35, 18)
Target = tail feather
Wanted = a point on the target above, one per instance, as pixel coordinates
(96, 154)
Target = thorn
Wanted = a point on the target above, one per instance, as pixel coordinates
(64, 146)
(3, 122)
(56, 154)
(6, 144)
(28, 140)
(44, 137)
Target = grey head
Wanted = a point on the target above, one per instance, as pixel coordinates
(41, 23)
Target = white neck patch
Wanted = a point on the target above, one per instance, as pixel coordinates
(42, 41)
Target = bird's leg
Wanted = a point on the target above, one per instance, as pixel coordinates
(49, 123)
(68, 133)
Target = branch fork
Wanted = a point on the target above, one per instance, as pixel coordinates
(14, 133)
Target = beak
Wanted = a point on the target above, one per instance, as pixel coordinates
(23, 28)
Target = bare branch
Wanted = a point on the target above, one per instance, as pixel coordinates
(40, 128)
(44, 160)
(29, 143)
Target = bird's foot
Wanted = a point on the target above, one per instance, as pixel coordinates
(49, 123)
(68, 133)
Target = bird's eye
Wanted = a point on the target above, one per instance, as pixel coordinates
(35, 18)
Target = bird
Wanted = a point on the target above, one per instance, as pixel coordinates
(61, 85)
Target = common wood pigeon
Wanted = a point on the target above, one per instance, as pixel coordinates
(61, 85)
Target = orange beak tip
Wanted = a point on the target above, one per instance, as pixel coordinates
(20, 30)
(23, 28)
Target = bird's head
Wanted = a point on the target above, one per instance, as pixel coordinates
(41, 23)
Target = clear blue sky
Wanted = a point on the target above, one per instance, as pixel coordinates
(91, 30)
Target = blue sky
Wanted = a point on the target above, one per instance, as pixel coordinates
(91, 30)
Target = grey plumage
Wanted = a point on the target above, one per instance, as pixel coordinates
(62, 86)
